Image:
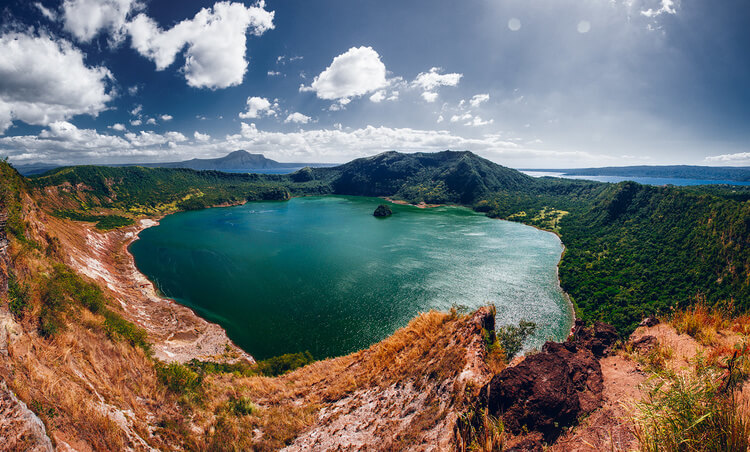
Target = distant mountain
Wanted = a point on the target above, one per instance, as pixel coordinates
(732, 173)
(234, 161)
(237, 160)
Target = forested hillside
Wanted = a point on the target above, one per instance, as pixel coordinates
(631, 250)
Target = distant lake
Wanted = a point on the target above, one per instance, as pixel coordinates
(322, 274)
(640, 180)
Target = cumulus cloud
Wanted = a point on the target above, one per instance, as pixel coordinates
(478, 99)
(666, 7)
(741, 158)
(33, 89)
(85, 19)
(145, 138)
(298, 118)
(378, 97)
(215, 39)
(119, 127)
(430, 81)
(354, 73)
(136, 122)
(151, 121)
(201, 136)
(476, 121)
(257, 107)
(463, 117)
(136, 111)
(166, 117)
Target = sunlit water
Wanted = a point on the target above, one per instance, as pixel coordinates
(640, 180)
(322, 274)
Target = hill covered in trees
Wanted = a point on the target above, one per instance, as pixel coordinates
(631, 250)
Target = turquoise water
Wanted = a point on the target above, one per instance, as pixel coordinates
(322, 274)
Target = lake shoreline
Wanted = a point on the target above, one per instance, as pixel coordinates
(138, 278)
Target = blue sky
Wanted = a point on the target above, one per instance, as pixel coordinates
(525, 83)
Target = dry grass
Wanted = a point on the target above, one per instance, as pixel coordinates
(701, 323)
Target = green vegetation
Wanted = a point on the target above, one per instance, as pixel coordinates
(511, 338)
(241, 406)
(631, 250)
(18, 296)
(179, 378)
(103, 222)
(279, 365)
(697, 411)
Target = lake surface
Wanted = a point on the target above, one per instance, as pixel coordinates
(640, 180)
(322, 274)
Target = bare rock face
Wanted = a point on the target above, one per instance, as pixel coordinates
(599, 339)
(550, 390)
(4, 259)
(20, 428)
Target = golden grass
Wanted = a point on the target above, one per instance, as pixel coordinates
(700, 322)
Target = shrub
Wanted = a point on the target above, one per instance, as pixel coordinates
(119, 328)
(179, 378)
(511, 338)
(18, 296)
(278, 365)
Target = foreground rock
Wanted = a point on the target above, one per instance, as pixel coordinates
(20, 428)
(551, 390)
(383, 211)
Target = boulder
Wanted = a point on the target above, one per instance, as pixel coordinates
(649, 322)
(645, 344)
(599, 339)
(383, 211)
(551, 390)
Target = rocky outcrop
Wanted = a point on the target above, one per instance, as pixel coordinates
(551, 390)
(383, 211)
(20, 428)
(4, 243)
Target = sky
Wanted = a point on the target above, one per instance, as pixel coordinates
(524, 83)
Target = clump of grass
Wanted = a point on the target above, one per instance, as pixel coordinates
(179, 378)
(477, 430)
(655, 360)
(241, 406)
(696, 411)
(699, 322)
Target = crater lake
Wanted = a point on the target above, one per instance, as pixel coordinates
(322, 274)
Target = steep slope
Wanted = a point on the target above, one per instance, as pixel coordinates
(439, 177)
(237, 160)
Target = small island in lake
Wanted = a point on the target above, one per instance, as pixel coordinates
(383, 211)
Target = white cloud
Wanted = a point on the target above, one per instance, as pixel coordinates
(46, 12)
(119, 127)
(201, 136)
(463, 117)
(478, 99)
(34, 89)
(166, 117)
(298, 118)
(84, 19)
(354, 73)
(137, 110)
(151, 121)
(739, 159)
(257, 107)
(429, 96)
(476, 121)
(440, 119)
(133, 90)
(274, 73)
(215, 40)
(378, 97)
(145, 138)
(667, 7)
(136, 122)
(428, 81)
